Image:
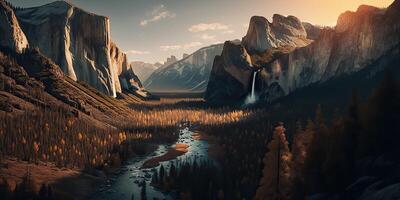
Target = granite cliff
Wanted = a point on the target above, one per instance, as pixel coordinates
(296, 54)
(76, 40)
(11, 35)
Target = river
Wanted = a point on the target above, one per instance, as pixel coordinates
(126, 182)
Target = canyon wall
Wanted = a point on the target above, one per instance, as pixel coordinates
(78, 41)
(358, 39)
(11, 35)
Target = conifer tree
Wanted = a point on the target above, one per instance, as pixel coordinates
(301, 142)
(276, 180)
(381, 131)
(316, 154)
(162, 175)
(143, 193)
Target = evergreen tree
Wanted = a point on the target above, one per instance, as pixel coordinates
(162, 174)
(172, 171)
(301, 142)
(50, 193)
(276, 180)
(5, 190)
(381, 131)
(316, 154)
(337, 164)
(43, 192)
(154, 179)
(143, 193)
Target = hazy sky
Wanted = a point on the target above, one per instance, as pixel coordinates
(151, 30)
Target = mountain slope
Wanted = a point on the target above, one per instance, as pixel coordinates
(358, 39)
(31, 81)
(189, 74)
(232, 72)
(11, 34)
(144, 70)
(77, 41)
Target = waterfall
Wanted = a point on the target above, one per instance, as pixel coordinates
(254, 83)
(252, 97)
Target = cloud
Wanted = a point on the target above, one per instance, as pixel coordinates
(180, 46)
(207, 37)
(245, 26)
(208, 27)
(228, 32)
(170, 47)
(136, 52)
(159, 13)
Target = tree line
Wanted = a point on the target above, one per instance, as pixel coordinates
(325, 157)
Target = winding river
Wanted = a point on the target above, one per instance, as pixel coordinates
(126, 182)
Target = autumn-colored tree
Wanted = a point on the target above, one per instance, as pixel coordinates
(301, 141)
(277, 177)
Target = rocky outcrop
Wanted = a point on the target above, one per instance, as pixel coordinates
(232, 72)
(230, 75)
(170, 60)
(188, 74)
(78, 41)
(119, 64)
(283, 31)
(312, 31)
(129, 81)
(358, 39)
(11, 35)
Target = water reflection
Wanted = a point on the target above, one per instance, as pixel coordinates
(128, 180)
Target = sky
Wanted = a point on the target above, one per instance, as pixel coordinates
(152, 30)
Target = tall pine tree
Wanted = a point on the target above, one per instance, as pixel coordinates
(276, 180)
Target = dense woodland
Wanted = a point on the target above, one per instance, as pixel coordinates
(292, 159)
(317, 156)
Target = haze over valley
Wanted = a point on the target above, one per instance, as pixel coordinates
(209, 99)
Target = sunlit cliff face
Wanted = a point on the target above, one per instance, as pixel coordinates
(326, 12)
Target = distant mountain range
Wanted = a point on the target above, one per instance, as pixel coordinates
(143, 70)
(190, 74)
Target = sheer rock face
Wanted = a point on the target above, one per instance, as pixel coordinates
(283, 31)
(358, 39)
(230, 75)
(11, 35)
(129, 81)
(119, 63)
(78, 41)
(233, 71)
(188, 74)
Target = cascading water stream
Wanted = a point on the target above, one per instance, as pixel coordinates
(252, 87)
(252, 97)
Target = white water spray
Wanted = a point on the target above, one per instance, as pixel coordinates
(252, 97)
